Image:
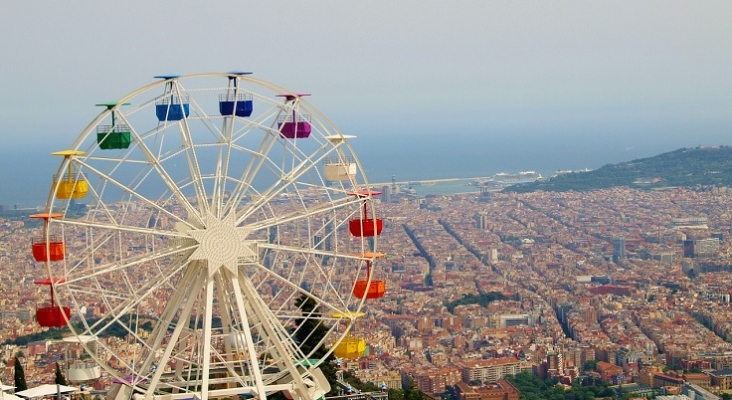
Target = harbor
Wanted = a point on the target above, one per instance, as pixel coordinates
(476, 184)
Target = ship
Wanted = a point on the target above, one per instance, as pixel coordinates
(521, 177)
(569, 171)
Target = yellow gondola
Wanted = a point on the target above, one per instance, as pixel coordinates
(70, 185)
(350, 347)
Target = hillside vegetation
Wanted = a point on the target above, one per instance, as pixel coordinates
(705, 166)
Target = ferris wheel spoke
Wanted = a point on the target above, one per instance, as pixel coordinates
(155, 161)
(307, 251)
(221, 174)
(294, 216)
(244, 183)
(130, 192)
(79, 275)
(230, 322)
(295, 287)
(194, 168)
(270, 194)
(128, 303)
(222, 139)
(97, 290)
(260, 159)
(123, 228)
(102, 207)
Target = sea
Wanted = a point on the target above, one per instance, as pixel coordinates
(27, 171)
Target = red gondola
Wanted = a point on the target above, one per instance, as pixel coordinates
(365, 227)
(52, 316)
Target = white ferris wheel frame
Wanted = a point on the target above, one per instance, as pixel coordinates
(210, 232)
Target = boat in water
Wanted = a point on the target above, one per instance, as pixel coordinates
(569, 171)
(521, 177)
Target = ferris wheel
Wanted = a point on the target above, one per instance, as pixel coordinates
(195, 225)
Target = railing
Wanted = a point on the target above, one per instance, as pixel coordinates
(361, 396)
(356, 395)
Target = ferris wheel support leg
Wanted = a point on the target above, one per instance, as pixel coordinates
(268, 324)
(161, 330)
(225, 304)
(185, 314)
(253, 362)
(207, 337)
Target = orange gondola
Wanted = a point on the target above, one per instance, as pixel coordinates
(47, 247)
(370, 288)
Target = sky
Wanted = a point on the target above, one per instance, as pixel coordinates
(653, 75)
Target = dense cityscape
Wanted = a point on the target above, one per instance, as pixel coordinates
(412, 200)
(621, 285)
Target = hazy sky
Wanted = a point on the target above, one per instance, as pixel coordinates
(646, 70)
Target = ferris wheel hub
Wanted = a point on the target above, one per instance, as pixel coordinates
(221, 243)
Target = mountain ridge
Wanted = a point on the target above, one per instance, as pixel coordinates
(685, 167)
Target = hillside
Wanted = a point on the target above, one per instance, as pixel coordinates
(683, 167)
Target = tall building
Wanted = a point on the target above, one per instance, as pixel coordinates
(493, 255)
(485, 194)
(386, 194)
(555, 364)
(272, 237)
(701, 247)
(481, 221)
(618, 249)
(696, 223)
(328, 235)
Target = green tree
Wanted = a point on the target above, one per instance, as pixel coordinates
(60, 379)
(309, 332)
(412, 393)
(395, 394)
(451, 393)
(589, 365)
(20, 384)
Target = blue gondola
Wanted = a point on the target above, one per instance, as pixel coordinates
(234, 102)
(171, 107)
